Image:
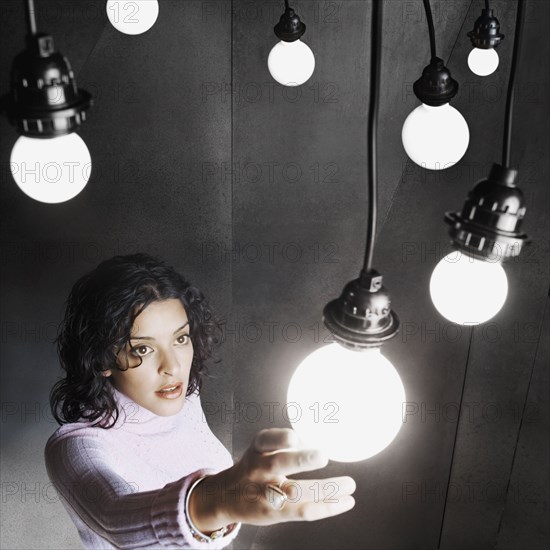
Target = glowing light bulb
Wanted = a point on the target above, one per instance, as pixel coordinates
(435, 137)
(132, 17)
(483, 62)
(348, 403)
(51, 170)
(291, 63)
(468, 291)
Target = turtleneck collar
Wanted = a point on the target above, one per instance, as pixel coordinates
(137, 419)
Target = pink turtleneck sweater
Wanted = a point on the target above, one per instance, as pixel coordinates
(125, 487)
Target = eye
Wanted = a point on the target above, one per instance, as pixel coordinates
(184, 339)
(134, 351)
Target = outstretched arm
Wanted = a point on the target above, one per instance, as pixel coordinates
(116, 509)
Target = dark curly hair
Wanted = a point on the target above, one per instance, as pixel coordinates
(99, 316)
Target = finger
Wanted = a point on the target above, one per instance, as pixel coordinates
(318, 490)
(313, 511)
(274, 439)
(284, 463)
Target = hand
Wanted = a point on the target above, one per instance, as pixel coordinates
(238, 493)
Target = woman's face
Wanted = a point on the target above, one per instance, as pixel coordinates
(160, 336)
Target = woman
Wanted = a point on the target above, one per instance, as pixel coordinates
(134, 461)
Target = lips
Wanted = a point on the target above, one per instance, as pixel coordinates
(173, 387)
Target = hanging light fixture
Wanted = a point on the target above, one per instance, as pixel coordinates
(132, 16)
(470, 286)
(291, 62)
(349, 396)
(49, 162)
(435, 135)
(483, 59)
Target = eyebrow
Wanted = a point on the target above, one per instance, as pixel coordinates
(150, 338)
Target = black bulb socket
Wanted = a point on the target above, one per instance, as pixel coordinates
(289, 28)
(44, 101)
(436, 86)
(486, 33)
(362, 317)
(488, 228)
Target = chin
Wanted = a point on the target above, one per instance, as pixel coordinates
(163, 411)
(167, 407)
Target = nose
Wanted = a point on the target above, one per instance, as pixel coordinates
(171, 363)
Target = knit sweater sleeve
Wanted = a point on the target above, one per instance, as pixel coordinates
(116, 509)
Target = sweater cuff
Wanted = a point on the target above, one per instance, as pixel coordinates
(168, 515)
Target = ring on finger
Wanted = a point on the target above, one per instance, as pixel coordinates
(275, 495)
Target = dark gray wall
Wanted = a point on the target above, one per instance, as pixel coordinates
(259, 197)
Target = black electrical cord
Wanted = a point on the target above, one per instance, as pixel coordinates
(31, 17)
(431, 29)
(376, 40)
(286, 5)
(458, 424)
(487, 4)
(507, 143)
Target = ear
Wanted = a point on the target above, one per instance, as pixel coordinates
(107, 372)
